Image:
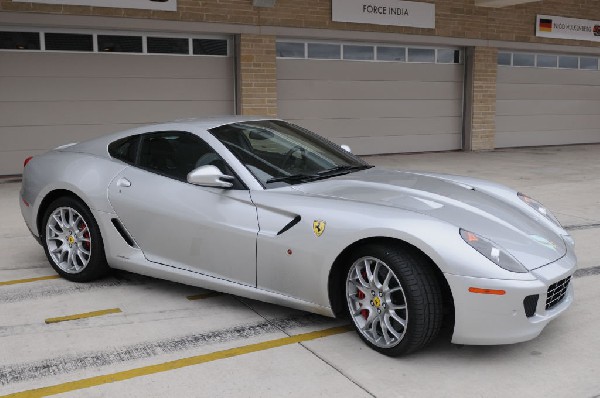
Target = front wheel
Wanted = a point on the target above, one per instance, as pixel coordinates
(393, 298)
(72, 241)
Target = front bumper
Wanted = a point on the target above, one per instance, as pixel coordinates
(486, 319)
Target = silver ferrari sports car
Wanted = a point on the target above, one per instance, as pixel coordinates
(268, 210)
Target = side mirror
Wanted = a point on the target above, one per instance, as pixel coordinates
(209, 176)
(346, 148)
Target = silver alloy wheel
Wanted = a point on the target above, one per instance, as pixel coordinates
(68, 240)
(377, 302)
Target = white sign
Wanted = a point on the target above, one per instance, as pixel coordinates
(163, 5)
(384, 12)
(567, 28)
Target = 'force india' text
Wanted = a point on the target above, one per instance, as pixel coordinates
(382, 10)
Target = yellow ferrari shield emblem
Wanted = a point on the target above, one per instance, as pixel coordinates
(377, 302)
(318, 227)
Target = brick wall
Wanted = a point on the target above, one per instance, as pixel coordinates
(454, 18)
(258, 75)
(483, 108)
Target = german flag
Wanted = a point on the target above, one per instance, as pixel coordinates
(545, 25)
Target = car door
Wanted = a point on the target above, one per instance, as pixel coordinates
(208, 230)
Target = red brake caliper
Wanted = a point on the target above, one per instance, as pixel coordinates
(86, 235)
(361, 295)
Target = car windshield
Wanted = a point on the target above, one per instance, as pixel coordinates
(279, 153)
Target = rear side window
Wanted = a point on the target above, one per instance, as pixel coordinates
(125, 149)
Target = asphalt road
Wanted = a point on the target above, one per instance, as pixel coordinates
(144, 337)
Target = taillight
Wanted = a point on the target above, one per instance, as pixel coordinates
(27, 161)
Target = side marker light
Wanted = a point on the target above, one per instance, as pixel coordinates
(487, 291)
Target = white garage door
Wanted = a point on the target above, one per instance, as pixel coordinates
(547, 99)
(49, 98)
(374, 98)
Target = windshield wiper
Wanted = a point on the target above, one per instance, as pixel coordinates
(340, 170)
(294, 178)
(332, 172)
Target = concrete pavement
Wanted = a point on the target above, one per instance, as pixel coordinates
(159, 326)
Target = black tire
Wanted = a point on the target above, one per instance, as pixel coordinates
(96, 266)
(421, 293)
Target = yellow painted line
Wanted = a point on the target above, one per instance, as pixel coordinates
(84, 315)
(204, 296)
(177, 364)
(40, 278)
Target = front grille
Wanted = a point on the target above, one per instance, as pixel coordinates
(556, 292)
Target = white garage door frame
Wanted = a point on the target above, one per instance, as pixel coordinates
(51, 98)
(547, 99)
(404, 106)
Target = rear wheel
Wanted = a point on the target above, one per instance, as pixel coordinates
(393, 299)
(72, 241)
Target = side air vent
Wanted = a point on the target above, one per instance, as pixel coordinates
(123, 232)
(289, 225)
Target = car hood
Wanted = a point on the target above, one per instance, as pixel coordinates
(464, 206)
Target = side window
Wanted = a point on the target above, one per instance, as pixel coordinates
(125, 149)
(175, 153)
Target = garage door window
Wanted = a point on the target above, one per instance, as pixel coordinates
(588, 63)
(19, 40)
(324, 51)
(448, 56)
(568, 62)
(367, 52)
(209, 47)
(120, 44)
(421, 55)
(69, 42)
(546, 61)
(168, 45)
(397, 54)
(560, 61)
(290, 50)
(364, 53)
(523, 59)
(112, 42)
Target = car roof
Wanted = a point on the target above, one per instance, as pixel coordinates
(98, 146)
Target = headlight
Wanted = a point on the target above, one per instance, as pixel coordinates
(537, 206)
(492, 251)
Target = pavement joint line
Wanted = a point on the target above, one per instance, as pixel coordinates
(203, 296)
(176, 364)
(28, 280)
(307, 348)
(577, 227)
(83, 315)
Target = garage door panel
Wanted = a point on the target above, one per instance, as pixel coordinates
(547, 107)
(47, 137)
(541, 106)
(309, 69)
(547, 123)
(557, 137)
(11, 162)
(400, 144)
(109, 89)
(511, 91)
(100, 112)
(327, 109)
(113, 65)
(546, 76)
(381, 127)
(371, 90)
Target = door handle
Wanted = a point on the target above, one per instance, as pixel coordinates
(123, 182)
